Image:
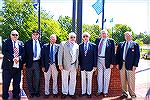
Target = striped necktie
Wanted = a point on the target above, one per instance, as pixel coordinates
(35, 49)
(100, 47)
(16, 51)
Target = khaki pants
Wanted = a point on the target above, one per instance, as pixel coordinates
(127, 80)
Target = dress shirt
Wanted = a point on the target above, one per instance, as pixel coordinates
(103, 47)
(38, 50)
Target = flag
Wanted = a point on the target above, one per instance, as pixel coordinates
(35, 6)
(111, 20)
(98, 6)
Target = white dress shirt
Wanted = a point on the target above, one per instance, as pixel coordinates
(103, 47)
(124, 51)
(38, 50)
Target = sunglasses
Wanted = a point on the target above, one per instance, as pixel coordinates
(36, 34)
(14, 34)
(72, 37)
(85, 36)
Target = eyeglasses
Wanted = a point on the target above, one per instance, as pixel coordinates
(72, 37)
(85, 36)
(14, 34)
(35, 34)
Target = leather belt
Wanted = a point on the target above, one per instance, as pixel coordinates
(101, 56)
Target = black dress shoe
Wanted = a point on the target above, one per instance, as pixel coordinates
(73, 96)
(89, 96)
(105, 95)
(16, 97)
(46, 95)
(81, 95)
(99, 94)
(63, 96)
(133, 96)
(55, 95)
(37, 94)
(123, 96)
(31, 95)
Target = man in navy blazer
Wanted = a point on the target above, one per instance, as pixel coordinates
(127, 57)
(105, 61)
(50, 65)
(13, 52)
(32, 62)
(87, 63)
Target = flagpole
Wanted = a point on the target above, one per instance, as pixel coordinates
(74, 16)
(103, 15)
(39, 18)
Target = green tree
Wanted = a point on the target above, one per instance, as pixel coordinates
(119, 30)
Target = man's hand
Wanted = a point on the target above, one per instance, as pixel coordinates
(61, 67)
(94, 68)
(134, 68)
(111, 66)
(43, 69)
(117, 66)
(16, 60)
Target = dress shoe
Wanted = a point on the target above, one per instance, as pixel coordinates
(133, 96)
(31, 95)
(89, 96)
(55, 95)
(63, 96)
(46, 95)
(81, 95)
(37, 94)
(16, 97)
(73, 96)
(99, 94)
(105, 95)
(123, 96)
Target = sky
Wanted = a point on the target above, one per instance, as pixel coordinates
(134, 13)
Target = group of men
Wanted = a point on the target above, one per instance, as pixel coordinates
(68, 57)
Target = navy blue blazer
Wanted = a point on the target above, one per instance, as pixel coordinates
(46, 57)
(29, 52)
(109, 53)
(132, 57)
(90, 60)
(7, 51)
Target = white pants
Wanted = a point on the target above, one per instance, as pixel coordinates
(52, 70)
(86, 80)
(103, 76)
(71, 85)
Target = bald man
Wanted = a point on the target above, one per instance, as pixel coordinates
(128, 55)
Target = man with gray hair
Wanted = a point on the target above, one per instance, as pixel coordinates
(68, 64)
(106, 59)
(49, 65)
(127, 57)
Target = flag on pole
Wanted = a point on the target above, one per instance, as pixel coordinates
(111, 20)
(98, 6)
(35, 6)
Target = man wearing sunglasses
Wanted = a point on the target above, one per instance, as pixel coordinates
(88, 64)
(68, 63)
(105, 61)
(32, 62)
(13, 52)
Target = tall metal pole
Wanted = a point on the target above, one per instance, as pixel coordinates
(39, 21)
(103, 15)
(74, 16)
(79, 21)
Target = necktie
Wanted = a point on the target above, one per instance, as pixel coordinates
(35, 49)
(100, 47)
(85, 48)
(16, 51)
(126, 49)
(51, 55)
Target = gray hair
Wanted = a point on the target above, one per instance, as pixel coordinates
(129, 33)
(72, 34)
(104, 31)
(86, 33)
(14, 31)
(54, 35)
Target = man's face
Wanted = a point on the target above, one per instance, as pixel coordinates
(52, 39)
(128, 37)
(14, 36)
(104, 35)
(35, 36)
(72, 39)
(86, 38)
